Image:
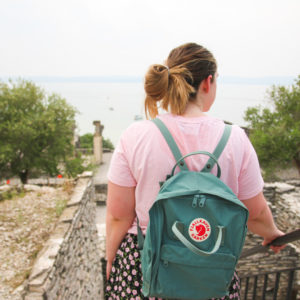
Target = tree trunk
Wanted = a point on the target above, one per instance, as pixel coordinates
(24, 176)
(297, 162)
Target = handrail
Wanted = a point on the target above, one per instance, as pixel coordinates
(285, 239)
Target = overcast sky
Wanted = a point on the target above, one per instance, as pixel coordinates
(251, 38)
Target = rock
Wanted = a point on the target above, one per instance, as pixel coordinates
(280, 187)
(5, 188)
(37, 188)
(294, 182)
(85, 174)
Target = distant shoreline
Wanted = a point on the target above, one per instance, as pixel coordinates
(266, 80)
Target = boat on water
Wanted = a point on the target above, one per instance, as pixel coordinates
(138, 118)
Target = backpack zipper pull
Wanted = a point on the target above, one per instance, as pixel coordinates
(195, 201)
(202, 201)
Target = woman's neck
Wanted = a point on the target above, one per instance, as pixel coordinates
(193, 110)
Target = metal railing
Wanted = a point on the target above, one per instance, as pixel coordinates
(273, 285)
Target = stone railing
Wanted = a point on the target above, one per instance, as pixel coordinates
(69, 265)
(283, 199)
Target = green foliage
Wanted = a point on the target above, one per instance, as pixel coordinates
(74, 166)
(60, 205)
(36, 130)
(276, 132)
(108, 144)
(12, 193)
(86, 140)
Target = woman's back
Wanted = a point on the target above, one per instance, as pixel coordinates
(143, 158)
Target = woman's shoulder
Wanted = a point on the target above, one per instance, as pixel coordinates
(136, 131)
(139, 126)
(239, 132)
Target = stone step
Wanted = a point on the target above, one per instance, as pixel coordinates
(101, 188)
(100, 198)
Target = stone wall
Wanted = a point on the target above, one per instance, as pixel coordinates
(284, 201)
(69, 265)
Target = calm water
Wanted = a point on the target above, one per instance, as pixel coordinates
(116, 104)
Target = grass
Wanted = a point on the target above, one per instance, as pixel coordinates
(60, 205)
(35, 252)
(20, 218)
(53, 213)
(4, 218)
(13, 248)
(12, 194)
(19, 278)
(68, 186)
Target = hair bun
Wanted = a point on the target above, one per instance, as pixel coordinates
(156, 81)
(160, 68)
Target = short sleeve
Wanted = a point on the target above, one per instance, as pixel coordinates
(250, 180)
(119, 171)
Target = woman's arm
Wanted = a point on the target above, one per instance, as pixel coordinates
(120, 214)
(261, 221)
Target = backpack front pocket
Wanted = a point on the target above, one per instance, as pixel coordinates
(191, 272)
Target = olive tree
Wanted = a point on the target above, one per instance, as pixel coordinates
(36, 130)
(275, 131)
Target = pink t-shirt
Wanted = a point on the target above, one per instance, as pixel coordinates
(143, 158)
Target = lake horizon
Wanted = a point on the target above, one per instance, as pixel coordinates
(116, 103)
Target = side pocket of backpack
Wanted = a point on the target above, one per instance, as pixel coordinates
(244, 233)
(146, 271)
(147, 264)
(149, 259)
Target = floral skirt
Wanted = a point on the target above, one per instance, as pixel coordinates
(125, 281)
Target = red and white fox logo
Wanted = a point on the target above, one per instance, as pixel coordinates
(199, 230)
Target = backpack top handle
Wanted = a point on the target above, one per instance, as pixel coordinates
(211, 157)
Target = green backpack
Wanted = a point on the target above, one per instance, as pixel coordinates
(196, 231)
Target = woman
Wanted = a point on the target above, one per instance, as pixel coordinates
(186, 87)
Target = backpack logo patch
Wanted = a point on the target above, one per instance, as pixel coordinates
(199, 230)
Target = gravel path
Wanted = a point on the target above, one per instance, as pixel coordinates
(25, 224)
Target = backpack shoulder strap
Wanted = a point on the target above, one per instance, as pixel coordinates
(170, 141)
(219, 149)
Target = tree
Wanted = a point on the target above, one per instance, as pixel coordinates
(275, 132)
(107, 143)
(86, 141)
(36, 130)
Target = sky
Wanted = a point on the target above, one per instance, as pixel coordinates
(68, 38)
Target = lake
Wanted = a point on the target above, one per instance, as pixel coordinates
(117, 104)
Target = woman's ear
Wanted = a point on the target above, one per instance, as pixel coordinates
(205, 84)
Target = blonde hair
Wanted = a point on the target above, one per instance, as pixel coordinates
(173, 85)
